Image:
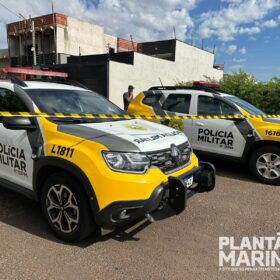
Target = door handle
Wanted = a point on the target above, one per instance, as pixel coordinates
(199, 124)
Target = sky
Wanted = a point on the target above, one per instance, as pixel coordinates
(245, 34)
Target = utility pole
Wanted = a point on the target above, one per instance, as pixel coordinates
(42, 42)
(9, 48)
(21, 58)
(33, 43)
(54, 32)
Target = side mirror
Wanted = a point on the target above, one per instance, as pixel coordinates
(19, 123)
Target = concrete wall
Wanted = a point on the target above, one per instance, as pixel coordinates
(13, 46)
(4, 58)
(85, 37)
(112, 41)
(190, 64)
(17, 44)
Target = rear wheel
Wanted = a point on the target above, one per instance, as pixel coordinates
(265, 165)
(66, 208)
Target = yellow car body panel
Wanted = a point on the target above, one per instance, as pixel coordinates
(109, 186)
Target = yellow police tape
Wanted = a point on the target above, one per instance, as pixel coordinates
(131, 116)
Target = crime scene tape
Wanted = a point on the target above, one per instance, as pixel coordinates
(132, 116)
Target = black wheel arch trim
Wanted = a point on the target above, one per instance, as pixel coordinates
(62, 164)
(253, 145)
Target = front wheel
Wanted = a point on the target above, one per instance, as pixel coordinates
(66, 208)
(265, 165)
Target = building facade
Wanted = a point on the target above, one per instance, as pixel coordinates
(57, 37)
(106, 63)
(169, 62)
(183, 63)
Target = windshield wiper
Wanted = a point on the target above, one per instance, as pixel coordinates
(84, 120)
(69, 120)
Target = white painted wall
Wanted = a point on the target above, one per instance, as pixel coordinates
(190, 64)
(87, 37)
(112, 41)
(60, 35)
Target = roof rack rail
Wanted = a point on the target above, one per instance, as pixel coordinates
(61, 81)
(168, 87)
(194, 87)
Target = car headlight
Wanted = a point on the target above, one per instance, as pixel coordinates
(127, 162)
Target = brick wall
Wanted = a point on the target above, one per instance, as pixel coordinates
(126, 45)
(46, 21)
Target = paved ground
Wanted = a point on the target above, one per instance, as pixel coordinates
(183, 247)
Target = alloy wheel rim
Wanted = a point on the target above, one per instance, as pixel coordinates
(62, 208)
(268, 166)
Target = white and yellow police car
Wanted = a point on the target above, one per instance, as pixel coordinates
(252, 138)
(91, 172)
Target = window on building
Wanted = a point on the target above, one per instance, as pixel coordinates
(9, 101)
(152, 99)
(208, 105)
(179, 103)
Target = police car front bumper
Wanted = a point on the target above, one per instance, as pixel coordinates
(166, 200)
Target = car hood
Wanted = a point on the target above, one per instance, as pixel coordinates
(128, 135)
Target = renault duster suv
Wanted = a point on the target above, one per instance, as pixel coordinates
(90, 172)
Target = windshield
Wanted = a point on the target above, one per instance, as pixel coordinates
(72, 101)
(251, 109)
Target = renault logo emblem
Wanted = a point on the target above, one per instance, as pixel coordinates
(176, 155)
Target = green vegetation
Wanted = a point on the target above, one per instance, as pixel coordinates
(264, 95)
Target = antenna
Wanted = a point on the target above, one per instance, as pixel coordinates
(160, 82)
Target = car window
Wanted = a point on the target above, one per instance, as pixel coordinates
(245, 105)
(227, 109)
(208, 105)
(9, 101)
(152, 99)
(72, 101)
(179, 103)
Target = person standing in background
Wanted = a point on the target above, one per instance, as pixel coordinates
(128, 97)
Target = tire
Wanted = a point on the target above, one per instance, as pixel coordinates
(264, 164)
(66, 208)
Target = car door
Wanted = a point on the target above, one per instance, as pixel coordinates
(218, 136)
(179, 104)
(16, 164)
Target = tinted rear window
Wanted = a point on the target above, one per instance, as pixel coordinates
(179, 103)
(152, 99)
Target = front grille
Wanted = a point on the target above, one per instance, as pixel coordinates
(166, 163)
